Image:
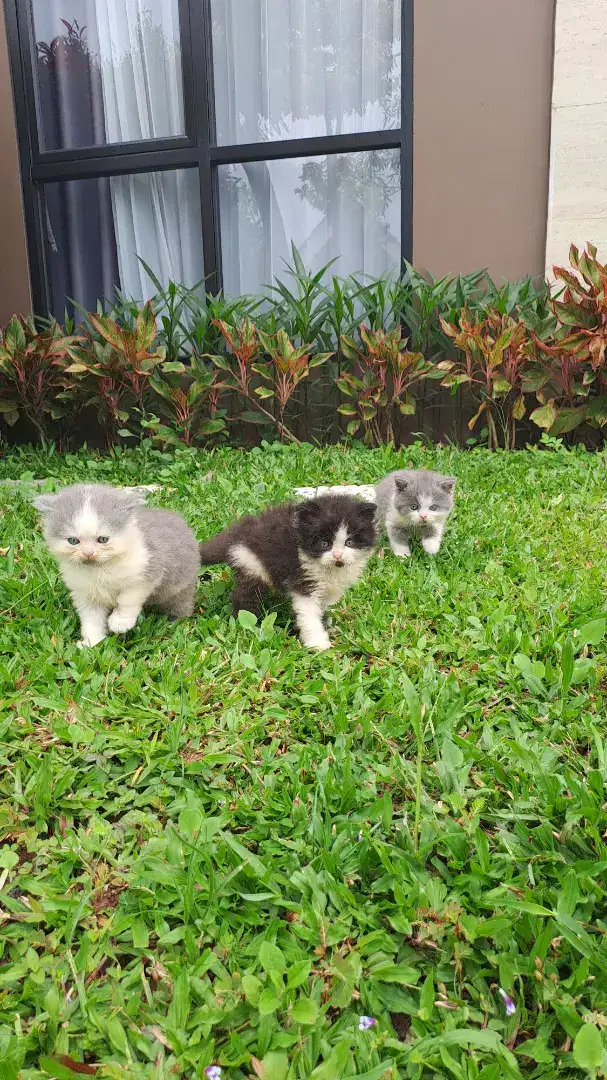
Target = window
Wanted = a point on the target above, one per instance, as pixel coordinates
(200, 138)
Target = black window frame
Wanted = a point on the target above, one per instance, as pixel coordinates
(196, 149)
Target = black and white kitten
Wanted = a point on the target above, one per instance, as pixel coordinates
(312, 552)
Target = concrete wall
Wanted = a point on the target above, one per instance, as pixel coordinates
(483, 73)
(14, 275)
(578, 189)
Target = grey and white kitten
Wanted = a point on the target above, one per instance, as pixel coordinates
(414, 502)
(116, 557)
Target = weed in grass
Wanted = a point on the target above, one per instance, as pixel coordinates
(219, 850)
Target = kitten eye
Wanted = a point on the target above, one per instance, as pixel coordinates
(414, 505)
(73, 540)
(349, 543)
(433, 507)
(323, 544)
(102, 539)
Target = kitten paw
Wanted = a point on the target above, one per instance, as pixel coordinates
(431, 545)
(88, 643)
(319, 644)
(402, 552)
(119, 623)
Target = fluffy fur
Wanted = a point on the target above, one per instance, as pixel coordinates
(145, 557)
(414, 502)
(312, 552)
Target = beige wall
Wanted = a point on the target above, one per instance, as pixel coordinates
(14, 277)
(483, 71)
(578, 188)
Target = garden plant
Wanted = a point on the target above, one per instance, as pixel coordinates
(319, 358)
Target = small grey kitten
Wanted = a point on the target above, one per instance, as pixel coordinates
(116, 557)
(414, 502)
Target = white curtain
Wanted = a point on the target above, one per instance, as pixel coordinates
(156, 215)
(283, 69)
(123, 83)
(297, 68)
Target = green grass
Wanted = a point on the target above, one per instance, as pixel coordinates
(219, 848)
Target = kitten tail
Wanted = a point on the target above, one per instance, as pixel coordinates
(215, 550)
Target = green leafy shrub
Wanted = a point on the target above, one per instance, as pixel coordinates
(189, 366)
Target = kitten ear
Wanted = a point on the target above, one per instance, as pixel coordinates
(367, 509)
(401, 483)
(306, 512)
(448, 483)
(132, 499)
(44, 503)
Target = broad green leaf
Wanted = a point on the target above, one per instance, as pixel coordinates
(298, 973)
(268, 1002)
(591, 633)
(304, 1011)
(394, 973)
(588, 1047)
(271, 957)
(545, 416)
(380, 1071)
(190, 822)
(211, 427)
(275, 1066)
(117, 1036)
(252, 988)
(8, 859)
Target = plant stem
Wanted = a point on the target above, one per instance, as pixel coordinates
(282, 428)
(418, 792)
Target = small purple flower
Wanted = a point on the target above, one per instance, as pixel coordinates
(508, 1002)
(360, 836)
(213, 1072)
(366, 1022)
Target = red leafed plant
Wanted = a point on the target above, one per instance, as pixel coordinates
(113, 368)
(569, 377)
(381, 383)
(286, 367)
(271, 357)
(190, 402)
(29, 380)
(493, 365)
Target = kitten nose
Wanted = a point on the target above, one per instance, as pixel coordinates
(424, 516)
(338, 557)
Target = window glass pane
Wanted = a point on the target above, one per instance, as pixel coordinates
(109, 71)
(98, 230)
(345, 206)
(287, 69)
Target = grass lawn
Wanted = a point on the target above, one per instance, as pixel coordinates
(218, 848)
